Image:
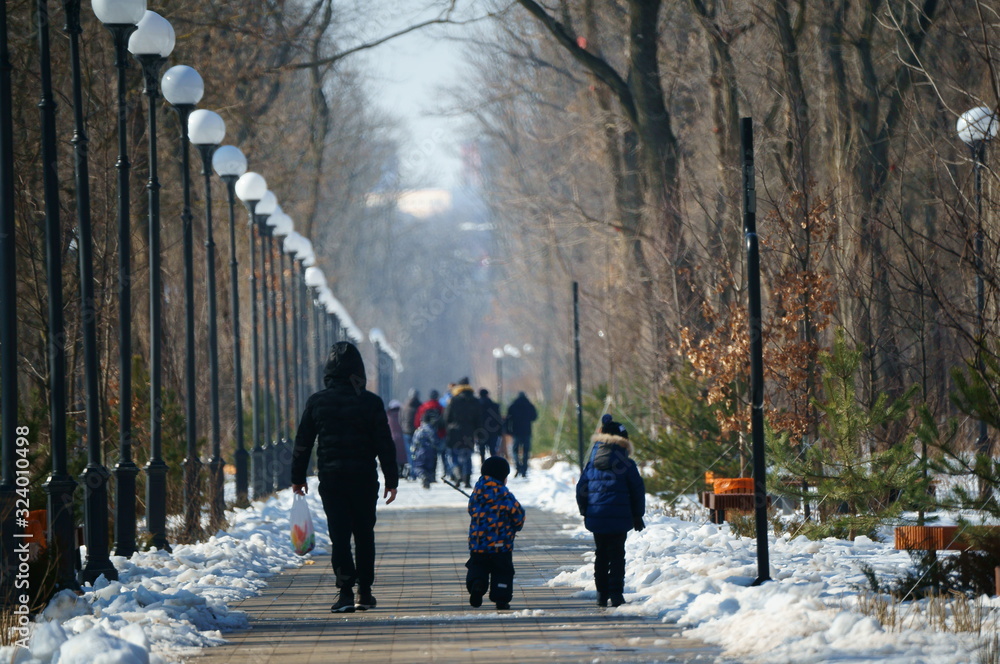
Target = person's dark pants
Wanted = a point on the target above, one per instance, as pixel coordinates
(609, 564)
(522, 452)
(488, 447)
(349, 503)
(493, 571)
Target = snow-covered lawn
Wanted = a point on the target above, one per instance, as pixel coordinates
(167, 605)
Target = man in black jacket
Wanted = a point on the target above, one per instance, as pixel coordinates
(352, 428)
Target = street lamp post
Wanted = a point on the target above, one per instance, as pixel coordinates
(250, 188)
(315, 281)
(498, 356)
(230, 164)
(84, 236)
(307, 259)
(274, 449)
(282, 227)
(150, 44)
(207, 129)
(120, 18)
(265, 208)
(976, 127)
(292, 246)
(183, 88)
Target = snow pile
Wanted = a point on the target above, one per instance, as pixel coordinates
(698, 575)
(166, 606)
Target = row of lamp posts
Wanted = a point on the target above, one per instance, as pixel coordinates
(150, 39)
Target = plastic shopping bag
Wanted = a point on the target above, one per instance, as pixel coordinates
(303, 535)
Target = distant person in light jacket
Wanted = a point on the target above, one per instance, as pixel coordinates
(612, 499)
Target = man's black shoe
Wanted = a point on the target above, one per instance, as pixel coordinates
(503, 606)
(365, 601)
(345, 603)
(602, 599)
(616, 599)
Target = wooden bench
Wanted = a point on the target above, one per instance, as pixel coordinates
(942, 538)
(718, 503)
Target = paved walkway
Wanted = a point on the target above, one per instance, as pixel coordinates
(423, 613)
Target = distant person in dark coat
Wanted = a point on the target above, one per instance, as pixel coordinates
(520, 415)
(464, 420)
(408, 420)
(352, 428)
(489, 441)
(612, 499)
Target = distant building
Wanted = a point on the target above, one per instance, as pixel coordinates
(419, 203)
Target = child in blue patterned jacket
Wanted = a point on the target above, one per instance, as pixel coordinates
(496, 518)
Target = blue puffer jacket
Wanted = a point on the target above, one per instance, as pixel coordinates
(610, 493)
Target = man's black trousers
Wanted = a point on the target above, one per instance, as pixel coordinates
(349, 503)
(609, 563)
(494, 571)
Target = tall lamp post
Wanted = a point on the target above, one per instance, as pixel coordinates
(315, 281)
(976, 127)
(306, 259)
(8, 312)
(230, 164)
(265, 208)
(207, 129)
(498, 356)
(250, 188)
(291, 246)
(183, 88)
(85, 243)
(120, 18)
(278, 441)
(150, 44)
(282, 227)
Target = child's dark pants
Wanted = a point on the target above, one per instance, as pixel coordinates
(609, 563)
(494, 571)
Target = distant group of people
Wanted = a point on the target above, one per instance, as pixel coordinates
(455, 427)
(351, 428)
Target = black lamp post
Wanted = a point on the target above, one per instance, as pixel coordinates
(59, 486)
(230, 164)
(207, 129)
(756, 349)
(498, 356)
(251, 188)
(265, 208)
(121, 23)
(85, 248)
(277, 441)
(306, 259)
(8, 314)
(282, 226)
(976, 127)
(314, 281)
(292, 246)
(150, 44)
(183, 88)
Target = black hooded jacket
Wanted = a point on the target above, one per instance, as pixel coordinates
(349, 422)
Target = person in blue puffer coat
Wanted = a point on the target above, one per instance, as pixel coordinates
(612, 499)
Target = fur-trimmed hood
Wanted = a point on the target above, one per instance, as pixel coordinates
(612, 439)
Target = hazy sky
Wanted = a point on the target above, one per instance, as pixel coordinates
(410, 75)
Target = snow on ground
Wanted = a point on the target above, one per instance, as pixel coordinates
(698, 575)
(165, 606)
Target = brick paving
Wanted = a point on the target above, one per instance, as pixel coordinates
(423, 613)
